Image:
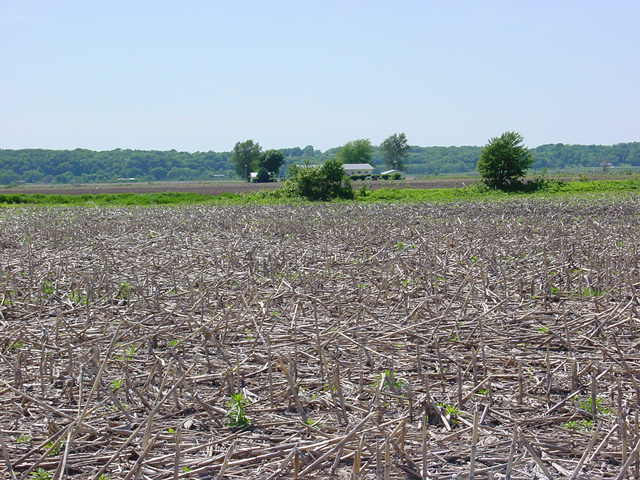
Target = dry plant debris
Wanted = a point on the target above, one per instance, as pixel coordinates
(486, 340)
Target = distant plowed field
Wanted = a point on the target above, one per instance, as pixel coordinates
(212, 188)
(470, 340)
(215, 188)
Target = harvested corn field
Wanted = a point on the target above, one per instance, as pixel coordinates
(479, 340)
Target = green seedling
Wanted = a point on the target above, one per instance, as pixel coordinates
(451, 412)
(186, 469)
(53, 448)
(173, 343)
(78, 298)
(591, 292)
(15, 346)
(328, 387)
(131, 351)
(171, 430)
(5, 299)
(41, 474)
(389, 380)
(48, 288)
(482, 391)
(23, 439)
(449, 409)
(117, 384)
(587, 405)
(578, 425)
(543, 329)
(237, 411)
(125, 291)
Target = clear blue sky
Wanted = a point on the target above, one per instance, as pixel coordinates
(201, 75)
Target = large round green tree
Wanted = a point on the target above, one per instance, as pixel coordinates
(357, 151)
(504, 161)
(246, 157)
(395, 149)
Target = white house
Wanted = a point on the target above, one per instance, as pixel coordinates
(357, 169)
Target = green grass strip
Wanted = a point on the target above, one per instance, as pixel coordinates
(410, 195)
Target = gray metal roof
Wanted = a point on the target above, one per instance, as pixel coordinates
(357, 166)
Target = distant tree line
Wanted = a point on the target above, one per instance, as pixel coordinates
(87, 166)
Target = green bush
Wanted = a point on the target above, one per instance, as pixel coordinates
(263, 176)
(322, 183)
(504, 161)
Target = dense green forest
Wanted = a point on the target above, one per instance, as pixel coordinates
(87, 166)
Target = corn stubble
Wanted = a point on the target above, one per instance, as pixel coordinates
(499, 341)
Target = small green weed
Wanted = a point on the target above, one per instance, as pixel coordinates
(23, 439)
(237, 413)
(117, 384)
(451, 412)
(53, 448)
(186, 469)
(78, 298)
(128, 353)
(586, 404)
(48, 288)
(591, 292)
(579, 425)
(450, 409)
(125, 290)
(41, 474)
(482, 391)
(15, 346)
(401, 246)
(131, 351)
(543, 329)
(389, 380)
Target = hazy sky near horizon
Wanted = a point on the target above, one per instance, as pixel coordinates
(201, 75)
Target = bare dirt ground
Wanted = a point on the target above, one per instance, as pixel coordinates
(365, 342)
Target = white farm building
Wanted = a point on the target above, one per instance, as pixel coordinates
(357, 169)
